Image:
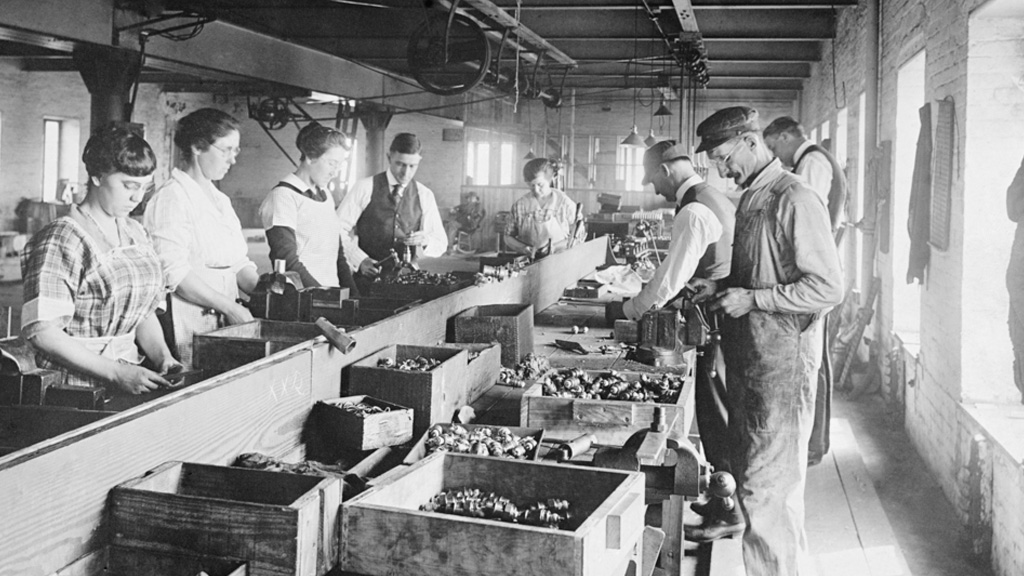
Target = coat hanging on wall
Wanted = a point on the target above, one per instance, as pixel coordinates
(919, 222)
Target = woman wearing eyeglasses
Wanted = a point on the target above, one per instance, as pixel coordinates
(197, 233)
(298, 214)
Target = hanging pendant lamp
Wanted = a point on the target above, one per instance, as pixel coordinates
(663, 110)
(650, 140)
(633, 139)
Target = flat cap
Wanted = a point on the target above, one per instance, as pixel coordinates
(726, 124)
(661, 152)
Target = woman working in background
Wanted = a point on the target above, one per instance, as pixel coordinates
(542, 214)
(299, 217)
(93, 280)
(197, 233)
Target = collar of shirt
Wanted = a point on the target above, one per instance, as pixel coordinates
(800, 150)
(392, 181)
(298, 183)
(767, 175)
(686, 185)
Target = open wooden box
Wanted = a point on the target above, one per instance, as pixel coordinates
(422, 292)
(232, 346)
(612, 422)
(434, 396)
(483, 367)
(349, 430)
(510, 325)
(366, 310)
(385, 532)
(281, 524)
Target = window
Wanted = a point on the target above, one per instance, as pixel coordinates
(910, 96)
(629, 166)
(508, 164)
(60, 156)
(478, 163)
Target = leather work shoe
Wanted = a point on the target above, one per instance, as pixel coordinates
(711, 531)
(720, 523)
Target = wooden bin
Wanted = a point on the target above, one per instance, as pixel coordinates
(434, 396)
(232, 346)
(320, 302)
(612, 422)
(365, 310)
(281, 524)
(384, 532)
(419, 450)
(123, 561)
(510, 325)
(23, 426)
(483, 367)
(346, 429)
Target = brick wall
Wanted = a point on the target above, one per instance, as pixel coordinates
(964, 351)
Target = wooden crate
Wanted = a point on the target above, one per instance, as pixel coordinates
(345, 429)
(434, 396)
(232, 346)
(384, 532)
(510, 325)
(419, 450)
(367, 310)
(320, 302)
(483, 367)
(281, 524)
(123, 561)
(612, 422)
(23, 426)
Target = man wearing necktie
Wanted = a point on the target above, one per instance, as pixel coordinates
(390, 211)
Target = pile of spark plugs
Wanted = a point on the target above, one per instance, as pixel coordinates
(529, 368)
(499, 442)
(577, 383)
(472, 502)
(362, 409)
(417, 364)
(420, 278)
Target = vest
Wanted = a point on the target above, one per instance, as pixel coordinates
(837, 194)
(383, 224)
(717, 259)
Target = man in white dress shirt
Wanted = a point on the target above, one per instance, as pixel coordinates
(701, 247)
(785, 137)
(389, 211)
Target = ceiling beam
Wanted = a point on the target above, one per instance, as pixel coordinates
(776, 51)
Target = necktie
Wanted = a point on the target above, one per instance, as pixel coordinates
(394, 193)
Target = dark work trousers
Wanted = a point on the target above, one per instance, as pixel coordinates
(712, 411)
(819, 444)
(362, 283)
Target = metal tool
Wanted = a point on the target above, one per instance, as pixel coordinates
(338, 338)
(571, 346)
(568, 450)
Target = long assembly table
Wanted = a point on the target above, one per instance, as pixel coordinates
(54, 494)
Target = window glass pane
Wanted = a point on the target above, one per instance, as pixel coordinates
(51, 158)
(508, 152)
(483, 161)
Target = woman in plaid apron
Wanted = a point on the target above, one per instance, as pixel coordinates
(93, 280)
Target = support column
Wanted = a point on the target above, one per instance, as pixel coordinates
(375, 122)
(872, 47)
(109, 74)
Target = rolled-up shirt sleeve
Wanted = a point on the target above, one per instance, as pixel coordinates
(694, 229)
(349, 211)
(170, 225)
(52, 269)
(433, 227)
(819, 280)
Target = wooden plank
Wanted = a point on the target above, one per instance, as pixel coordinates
(881, 549)
(54, 494)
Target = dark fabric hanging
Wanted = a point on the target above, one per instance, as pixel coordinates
(919, 222)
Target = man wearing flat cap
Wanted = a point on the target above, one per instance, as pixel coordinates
(785, 276)
(701, 247)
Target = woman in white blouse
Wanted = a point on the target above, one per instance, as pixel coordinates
(298, 214)
(197, 233)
